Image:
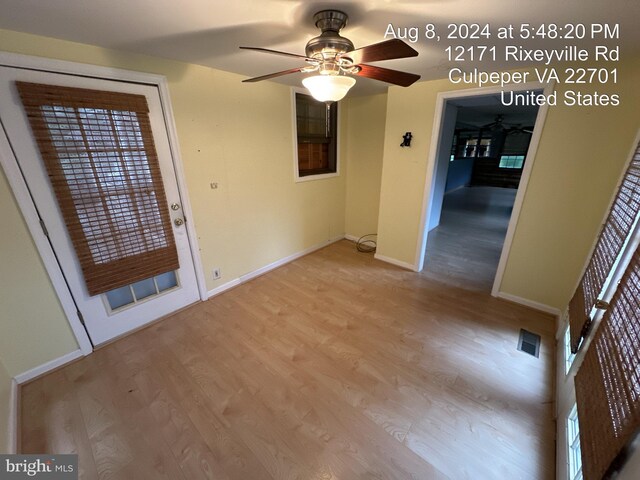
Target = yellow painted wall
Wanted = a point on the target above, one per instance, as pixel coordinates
(33, 327)
(581, 155)
(404, 169)
(238, 135)
(5, 405)
(580, 159)
(364, 151)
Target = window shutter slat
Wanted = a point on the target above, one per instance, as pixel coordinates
(316, 136)
(100, 156)
(608, 381)
(616, 229)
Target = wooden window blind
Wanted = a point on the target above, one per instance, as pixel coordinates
(100, 156)
(616, 229)
(608, 382)
(316, 136)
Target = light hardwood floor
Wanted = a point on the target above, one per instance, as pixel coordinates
(336, 366)
(464, 250)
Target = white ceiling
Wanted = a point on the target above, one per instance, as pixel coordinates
(209, 32)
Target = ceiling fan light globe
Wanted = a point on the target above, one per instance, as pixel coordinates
(328, 88)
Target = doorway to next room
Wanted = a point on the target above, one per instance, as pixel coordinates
(482, 154)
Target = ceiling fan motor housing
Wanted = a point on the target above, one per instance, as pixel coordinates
(329, 42)
(332, 55)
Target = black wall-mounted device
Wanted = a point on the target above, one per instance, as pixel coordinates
(406, 140)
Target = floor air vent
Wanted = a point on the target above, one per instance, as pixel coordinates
(529, 343)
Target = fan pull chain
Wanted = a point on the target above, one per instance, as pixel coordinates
(327, 118)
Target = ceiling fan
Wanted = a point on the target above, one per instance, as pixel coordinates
(509, 128)
(335, 60)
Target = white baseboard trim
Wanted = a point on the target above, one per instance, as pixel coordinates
(14, 417)
(47, 367)
(223, 288)
(395, 262)
(352, 238)
(529, 303)
(272, 266)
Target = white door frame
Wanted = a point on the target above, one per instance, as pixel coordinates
(25, 202)
(441, 100)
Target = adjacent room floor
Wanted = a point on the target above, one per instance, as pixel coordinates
(464, 250)
(335, 366)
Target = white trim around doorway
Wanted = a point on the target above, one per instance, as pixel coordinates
(441, 100)
(31, 218)
(25, 202)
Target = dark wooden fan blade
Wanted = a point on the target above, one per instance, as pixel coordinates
(387, 50)
(274, 52)
(396, 77)
(273, 75)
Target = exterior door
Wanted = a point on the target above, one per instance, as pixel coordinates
(117, 311)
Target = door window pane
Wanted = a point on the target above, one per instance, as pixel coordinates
(144, 288)
(166, 281)
(119, 297)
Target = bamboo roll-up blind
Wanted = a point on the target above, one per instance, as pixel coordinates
(608, 381)
(616, 229)
(100, 156)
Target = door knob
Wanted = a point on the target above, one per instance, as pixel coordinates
(178, 222)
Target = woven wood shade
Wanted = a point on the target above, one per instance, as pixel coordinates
(316, 135)
(608, 382)
(623, 212)
(99, 153)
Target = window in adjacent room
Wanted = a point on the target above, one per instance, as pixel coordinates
(511, 161)
(317, 142)
(484, 150)
(454, 146)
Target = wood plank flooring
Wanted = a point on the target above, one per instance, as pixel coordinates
(335, 366)
(464, 250)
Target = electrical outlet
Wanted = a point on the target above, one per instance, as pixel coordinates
(216, 273)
